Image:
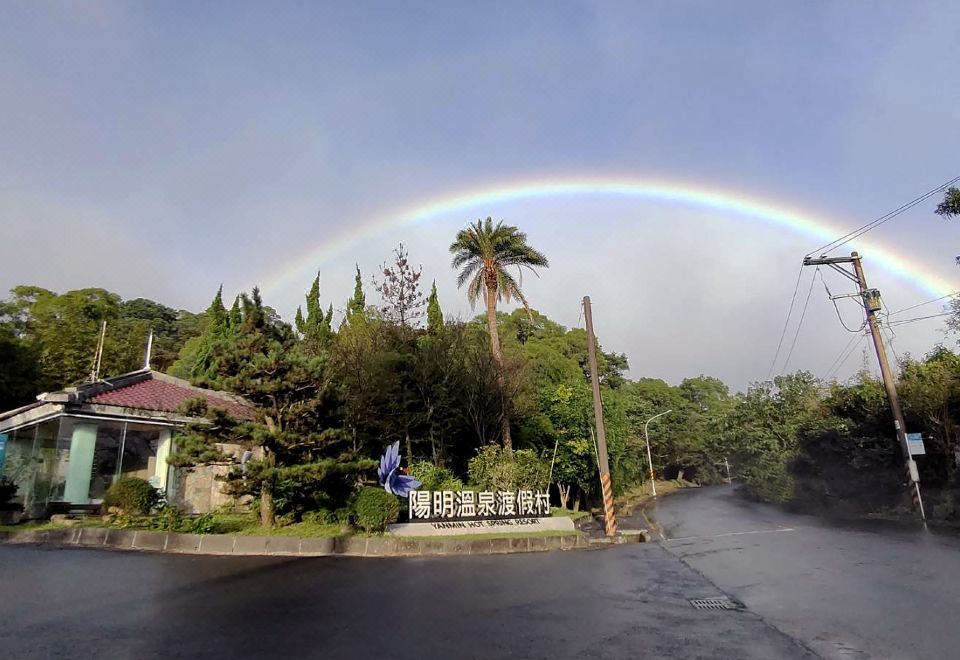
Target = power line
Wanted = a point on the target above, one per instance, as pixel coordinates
(783, 333)
(847, 356)
(843, 350)
(927, 302)
(800, 322)
(920, 318)
(837, 307)
(873, 224)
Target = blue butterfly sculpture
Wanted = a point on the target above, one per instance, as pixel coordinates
(390, 477)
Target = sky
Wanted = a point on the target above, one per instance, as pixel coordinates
(163, 149)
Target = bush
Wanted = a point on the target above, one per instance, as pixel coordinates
(375, 508)
(495, 469)
(435, 477)
(132, 495)
(321, 517)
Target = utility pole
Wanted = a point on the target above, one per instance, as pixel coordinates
(871, 305)
(646, 436)
(609, 514)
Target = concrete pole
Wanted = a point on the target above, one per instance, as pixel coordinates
(646, 436)
(888, 383)
(609, 514)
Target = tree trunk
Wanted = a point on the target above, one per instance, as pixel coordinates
(564, 495)
(498, 358)
(267, 512)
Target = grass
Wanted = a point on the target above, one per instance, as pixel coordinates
(574, 515)
(640, 495)
(301, 529)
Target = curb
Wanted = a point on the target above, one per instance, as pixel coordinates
(287, 546)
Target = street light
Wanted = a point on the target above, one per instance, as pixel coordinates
(646, 436)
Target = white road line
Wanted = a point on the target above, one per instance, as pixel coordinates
(717, 536)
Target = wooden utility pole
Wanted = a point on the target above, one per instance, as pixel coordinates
(871, 305)
(609, 514)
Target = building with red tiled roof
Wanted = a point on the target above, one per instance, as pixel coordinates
(67, 447)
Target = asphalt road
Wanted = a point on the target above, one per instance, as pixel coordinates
(630, 601)
(846, 591)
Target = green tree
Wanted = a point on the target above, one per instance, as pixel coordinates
(317, 327)
(950, 206)
(484, 253)
(434, 313)
(357, 305)
(302, 446)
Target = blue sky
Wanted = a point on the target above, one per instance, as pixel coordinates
(159, 149)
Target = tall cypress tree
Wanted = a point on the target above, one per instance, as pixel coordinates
(434, 313)
(316, 327)
(358, 303)
(235, 316)
(218, 326)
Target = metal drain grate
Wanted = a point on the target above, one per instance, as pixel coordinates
(714, 604)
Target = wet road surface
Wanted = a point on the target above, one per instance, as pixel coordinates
(846, 590)
(630, 601)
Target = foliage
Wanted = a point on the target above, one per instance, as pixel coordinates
(374, 509)
(435, 477)
(495, 468)
(434, 313)
(132, 496)
(49, 340)
(950, 206)
(317, 328)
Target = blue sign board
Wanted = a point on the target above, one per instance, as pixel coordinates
(3, 450)
(915, 444)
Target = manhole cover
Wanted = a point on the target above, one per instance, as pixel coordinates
(714, 604)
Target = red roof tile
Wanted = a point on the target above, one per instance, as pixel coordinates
(166, 396)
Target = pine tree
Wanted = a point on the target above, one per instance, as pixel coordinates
(434, 313)
(303, 449)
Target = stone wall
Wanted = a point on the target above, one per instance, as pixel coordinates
(198, 490)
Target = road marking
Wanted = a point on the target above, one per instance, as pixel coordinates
(717, 536)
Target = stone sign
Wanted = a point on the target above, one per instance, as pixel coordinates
(468, 504)
(482, 526)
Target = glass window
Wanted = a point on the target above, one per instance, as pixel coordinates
(140, 451)
(106, 458)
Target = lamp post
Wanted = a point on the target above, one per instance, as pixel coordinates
(646, 436)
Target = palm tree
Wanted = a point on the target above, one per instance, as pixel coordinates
(484, 252)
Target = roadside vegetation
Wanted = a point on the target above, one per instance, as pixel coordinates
(500, 401)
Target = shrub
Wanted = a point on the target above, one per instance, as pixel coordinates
(495, 469)
(321, 517)
(435, 477)
(342, 516)
(375, 508)
(132, 495)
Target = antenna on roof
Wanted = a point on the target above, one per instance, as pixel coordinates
(95, 372)
(146, 360)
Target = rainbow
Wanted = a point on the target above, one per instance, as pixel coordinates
(483, 201)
